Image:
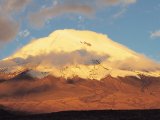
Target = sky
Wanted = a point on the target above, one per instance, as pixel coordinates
(133, 23)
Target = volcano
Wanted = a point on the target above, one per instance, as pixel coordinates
(78, 70)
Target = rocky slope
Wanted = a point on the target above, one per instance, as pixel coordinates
(52, 94)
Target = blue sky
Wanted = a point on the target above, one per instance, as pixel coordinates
(133, 23)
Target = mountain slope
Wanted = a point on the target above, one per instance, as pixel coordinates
(52, 94)
(69, 53)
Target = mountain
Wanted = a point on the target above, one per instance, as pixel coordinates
(78, 70)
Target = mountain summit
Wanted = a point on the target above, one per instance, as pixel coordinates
(69, 53)
(78, 70)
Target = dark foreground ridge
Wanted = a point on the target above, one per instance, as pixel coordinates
(87, 115)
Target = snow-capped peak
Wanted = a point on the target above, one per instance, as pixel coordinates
(69, 53)
(71, 40)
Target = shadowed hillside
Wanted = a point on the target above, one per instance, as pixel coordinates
(87, 115)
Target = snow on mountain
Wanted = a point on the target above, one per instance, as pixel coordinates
(69, 53)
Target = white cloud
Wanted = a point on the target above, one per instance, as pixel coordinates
(9, 26)
(155, 34)
(24, 33)
(120, 13)
(115, 2)
(85, 8)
